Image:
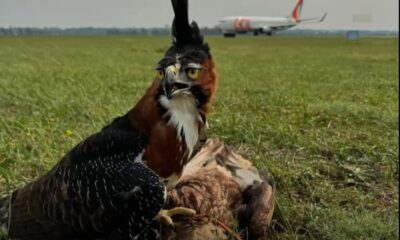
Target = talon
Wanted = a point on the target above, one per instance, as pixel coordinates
(165, 216)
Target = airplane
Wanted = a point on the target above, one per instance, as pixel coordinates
(230, 26)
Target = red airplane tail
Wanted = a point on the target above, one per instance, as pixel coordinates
(297, 10)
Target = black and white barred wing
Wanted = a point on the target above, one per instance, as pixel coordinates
(89, 195)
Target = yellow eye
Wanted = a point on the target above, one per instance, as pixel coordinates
(159, 74)
(193, 73)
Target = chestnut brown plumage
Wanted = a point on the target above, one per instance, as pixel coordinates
(173, 110)
(111, 185)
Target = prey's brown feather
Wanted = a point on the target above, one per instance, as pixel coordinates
(222, 187)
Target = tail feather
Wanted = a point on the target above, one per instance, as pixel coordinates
(4, 211)
(19, 221)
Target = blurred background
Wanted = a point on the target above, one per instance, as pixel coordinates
(154, 16)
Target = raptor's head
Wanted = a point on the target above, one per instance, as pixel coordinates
(187, 70)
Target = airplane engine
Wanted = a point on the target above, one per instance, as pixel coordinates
(266, 30)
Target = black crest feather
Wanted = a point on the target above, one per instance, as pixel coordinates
(184, 33)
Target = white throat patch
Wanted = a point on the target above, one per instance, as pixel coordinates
(184, 116)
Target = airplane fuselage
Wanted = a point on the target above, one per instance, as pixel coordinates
(230, 26)
(266, 25)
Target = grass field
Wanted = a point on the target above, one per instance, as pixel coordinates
(320, 113)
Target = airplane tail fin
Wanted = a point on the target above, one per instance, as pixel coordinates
(296, 13)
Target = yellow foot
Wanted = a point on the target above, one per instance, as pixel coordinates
(165, 216)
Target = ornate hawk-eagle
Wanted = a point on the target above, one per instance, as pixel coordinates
(111, 185)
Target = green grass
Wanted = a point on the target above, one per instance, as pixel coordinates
(320, 113)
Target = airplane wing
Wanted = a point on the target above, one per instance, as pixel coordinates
(313, 20)
(302, 21)
(280, 28)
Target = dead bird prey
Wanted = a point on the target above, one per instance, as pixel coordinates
(226, 191)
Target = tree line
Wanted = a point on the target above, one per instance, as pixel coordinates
(89, 31)
(29, 31)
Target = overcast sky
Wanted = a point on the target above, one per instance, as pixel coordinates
(378, 14)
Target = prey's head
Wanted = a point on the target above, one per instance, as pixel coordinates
(187, 68)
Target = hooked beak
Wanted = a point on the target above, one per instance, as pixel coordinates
(173, 88)
(172, 84)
